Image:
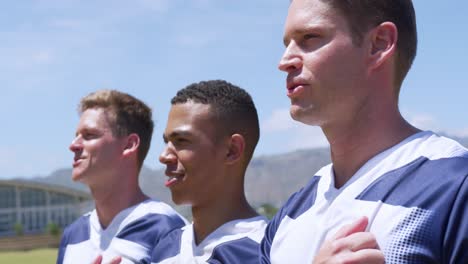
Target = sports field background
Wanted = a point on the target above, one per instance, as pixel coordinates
(37, 256)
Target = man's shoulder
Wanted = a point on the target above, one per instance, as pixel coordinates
(298, 204)
(434, 146)
(153, 206)
(239, 231)
(305, 198)
(234, 242)
(244, 250)
(79, 230)
(439, 157)
(149, 222)
(169, 246)
(155, 212)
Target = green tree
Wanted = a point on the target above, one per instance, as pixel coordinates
(267, 210)
(18, 228)
(53, 229)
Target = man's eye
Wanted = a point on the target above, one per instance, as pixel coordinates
(89, 136)
(181, 140)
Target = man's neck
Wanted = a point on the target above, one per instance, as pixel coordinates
(110, 201)
(361, 142)
(207, 219)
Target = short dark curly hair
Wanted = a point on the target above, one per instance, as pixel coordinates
(232, 107)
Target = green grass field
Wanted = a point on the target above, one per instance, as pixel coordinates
(38, 256)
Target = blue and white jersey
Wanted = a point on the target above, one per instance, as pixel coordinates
(236, 241)
(415, 195)
(132, 234)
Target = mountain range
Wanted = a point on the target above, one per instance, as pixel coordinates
(269, 180)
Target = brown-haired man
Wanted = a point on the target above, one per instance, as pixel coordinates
(112, 139)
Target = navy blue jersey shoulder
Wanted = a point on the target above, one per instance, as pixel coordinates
(149, 229)
(302, 200)
(296, 205)
(75, 233)
(168, 246)
(423, 183)
(243, 250)
(78, 231)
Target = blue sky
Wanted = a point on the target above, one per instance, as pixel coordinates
(53, 52)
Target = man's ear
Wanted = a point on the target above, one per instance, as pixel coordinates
(131, 145)
(236, 148)
(383, 44)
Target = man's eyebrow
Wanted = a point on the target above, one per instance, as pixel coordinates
(297, 32)
(305, 29)
(176, 133)
(82, 130)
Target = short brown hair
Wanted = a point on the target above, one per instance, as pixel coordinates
(362, 15)
(127, 115)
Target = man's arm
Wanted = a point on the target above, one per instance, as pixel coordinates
(351, 244)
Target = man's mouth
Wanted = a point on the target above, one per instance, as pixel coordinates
(77, 162)
(173, 178)
(171, 181)
(295, 87)
(295, 90)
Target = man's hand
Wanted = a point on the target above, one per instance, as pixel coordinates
(351, 244)
(115, 260)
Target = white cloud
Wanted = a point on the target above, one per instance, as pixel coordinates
(295, 134)
(279, 120)
(10, 163)
(19, 161)
(280, 128)
(24, 58)
(307, 137)
(423, 121)
(459, 132)
(427, 121)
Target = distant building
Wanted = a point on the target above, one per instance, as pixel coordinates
(35, 205)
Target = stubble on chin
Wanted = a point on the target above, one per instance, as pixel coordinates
(305, 116)
(298, 113)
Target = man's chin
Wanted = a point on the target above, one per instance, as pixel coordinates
(78, 177)
(302, 115)
(180, 200)
(75, 178)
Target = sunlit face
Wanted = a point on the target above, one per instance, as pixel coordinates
(325, 69)
(193, 154)
(96, 149)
